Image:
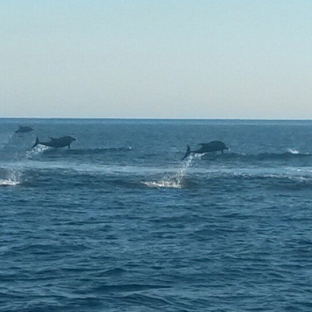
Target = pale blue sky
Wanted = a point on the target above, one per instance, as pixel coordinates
(156, 59)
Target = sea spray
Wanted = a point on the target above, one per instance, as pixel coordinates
(36, 151)
(12, 178)
(175, 180)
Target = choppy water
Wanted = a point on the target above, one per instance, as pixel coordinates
(119, 223)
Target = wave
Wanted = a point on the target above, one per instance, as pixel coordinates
(281, 156)
(191, 173)
(229, 179)
(128, 288)
(198, 176)
(92, 151)
(266, 156)
(21, 151)
(42, 150)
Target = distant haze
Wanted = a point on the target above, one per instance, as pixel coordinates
(156, 59)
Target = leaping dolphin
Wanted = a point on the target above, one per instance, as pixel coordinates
(56, 142)
(213, 146)
(23, 129)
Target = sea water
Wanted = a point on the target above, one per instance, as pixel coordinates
(119, 222)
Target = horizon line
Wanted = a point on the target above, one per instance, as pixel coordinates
(157, 118)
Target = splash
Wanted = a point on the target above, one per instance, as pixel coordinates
(293, 151)
(36, 151)
(13, 178)
(172, 181)
(163, 184)
(8, 182)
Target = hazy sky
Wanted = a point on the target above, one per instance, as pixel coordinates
(156, 58)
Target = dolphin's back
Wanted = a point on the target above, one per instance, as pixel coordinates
(56, 142)
(213, 146)
(23, 129)
(61, 142)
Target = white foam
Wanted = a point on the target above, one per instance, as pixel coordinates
(172, 181)
(165, 184)
(293, 151)
(36, 151)
(12, 178)
(9, 182)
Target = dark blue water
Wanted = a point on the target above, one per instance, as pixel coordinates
(119, 223)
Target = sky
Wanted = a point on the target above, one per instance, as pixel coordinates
(188, 59)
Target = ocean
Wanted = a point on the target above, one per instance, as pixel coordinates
(119, 222)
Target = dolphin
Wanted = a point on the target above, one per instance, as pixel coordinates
(56, 142)
(23, 129)
(213, 146)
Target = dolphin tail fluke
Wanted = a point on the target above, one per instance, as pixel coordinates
(188, 152)
(36, 143)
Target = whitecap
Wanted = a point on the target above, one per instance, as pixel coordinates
(293, 151)
(8, 182)
(165, 184)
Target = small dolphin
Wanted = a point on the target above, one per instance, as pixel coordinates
(56, 142)
(23, 129)
(213, 146)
